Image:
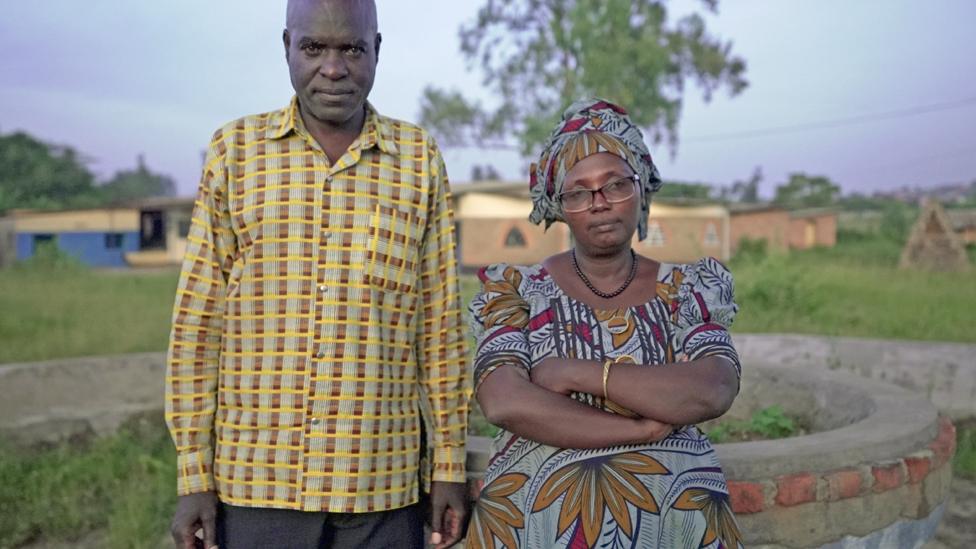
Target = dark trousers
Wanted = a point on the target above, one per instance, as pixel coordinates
(253, 528)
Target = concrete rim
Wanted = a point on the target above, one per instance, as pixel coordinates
(897, 424)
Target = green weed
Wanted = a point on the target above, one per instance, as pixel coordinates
(964, 462)
(766, 424)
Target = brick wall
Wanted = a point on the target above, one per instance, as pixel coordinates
(814, 230)
(683, 239)
(483, 241)
(771, 226)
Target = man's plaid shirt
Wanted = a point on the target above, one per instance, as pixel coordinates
(317, 321)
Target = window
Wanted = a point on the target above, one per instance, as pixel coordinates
(113, 241)
(514, 238)
(711, 235)
(655, 236)
(153, 233)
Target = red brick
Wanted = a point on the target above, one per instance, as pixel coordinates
(918, 467)
(843, 484)
(747, 497)
(888, 476)
(944, 444)
(796, 489)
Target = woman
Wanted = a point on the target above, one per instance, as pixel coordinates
(577, 361)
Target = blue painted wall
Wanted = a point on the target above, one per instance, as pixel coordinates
(88, 247)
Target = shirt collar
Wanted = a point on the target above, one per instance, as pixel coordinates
(377, 129)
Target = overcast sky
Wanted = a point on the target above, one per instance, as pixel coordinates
(117, 79)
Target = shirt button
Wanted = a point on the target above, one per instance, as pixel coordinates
(316, 421)
(323, 288)
(320, 354)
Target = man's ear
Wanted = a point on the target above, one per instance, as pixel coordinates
(286, 40)
(379, 40)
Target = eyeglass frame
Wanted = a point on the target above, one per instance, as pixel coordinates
(634, 178)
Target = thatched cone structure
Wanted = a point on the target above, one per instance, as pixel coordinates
(933, 244)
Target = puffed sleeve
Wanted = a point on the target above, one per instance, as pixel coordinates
(498, 315)
(705, 308)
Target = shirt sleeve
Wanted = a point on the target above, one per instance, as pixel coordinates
(194, 345)
(499, 314)
(441, 346)
(705, 310)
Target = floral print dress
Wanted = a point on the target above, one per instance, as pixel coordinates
(666, 494)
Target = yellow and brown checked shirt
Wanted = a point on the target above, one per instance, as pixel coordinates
(317, 321)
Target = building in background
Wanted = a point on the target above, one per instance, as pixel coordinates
(783, 229)
(813, 227)
(760, 222)
(149, 233)
(163, 226)
(98, 237)
(492, 226)
(682, 231)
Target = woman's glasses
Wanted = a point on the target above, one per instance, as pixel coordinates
(617, 190)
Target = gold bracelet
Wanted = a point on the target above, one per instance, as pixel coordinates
(606, 374)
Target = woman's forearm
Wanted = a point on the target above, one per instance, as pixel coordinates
(510, 400)
(678, 394)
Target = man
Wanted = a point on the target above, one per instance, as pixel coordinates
(317, 319)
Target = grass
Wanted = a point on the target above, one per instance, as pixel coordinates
(853, 290)
(124, 484)
(55, 308)
(60, 309)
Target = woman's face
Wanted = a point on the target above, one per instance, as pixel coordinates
(605, 227)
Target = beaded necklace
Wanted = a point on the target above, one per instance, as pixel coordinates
(618, 291)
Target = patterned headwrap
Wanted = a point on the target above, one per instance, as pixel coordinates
(589, 126)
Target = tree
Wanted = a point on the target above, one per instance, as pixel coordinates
(485, 172)
(802, 191)
(34, 174)
(139, 183)
(537, 56)
(674, 189)
(746, 191)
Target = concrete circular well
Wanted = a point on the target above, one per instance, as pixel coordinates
(874, 472)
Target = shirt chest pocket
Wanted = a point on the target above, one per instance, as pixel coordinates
(393, 254)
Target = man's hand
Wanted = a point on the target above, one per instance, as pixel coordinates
(448, 513)
(193, 512)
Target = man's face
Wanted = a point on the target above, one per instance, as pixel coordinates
(331, 47)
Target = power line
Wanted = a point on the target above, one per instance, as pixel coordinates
(922, 160)
(773, 130)
(777, 130)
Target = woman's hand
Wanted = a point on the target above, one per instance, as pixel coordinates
(558, 375)
(653, 431)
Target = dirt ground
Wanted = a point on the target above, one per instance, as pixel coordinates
(958, 527)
